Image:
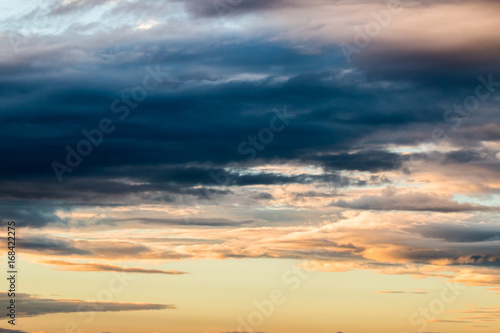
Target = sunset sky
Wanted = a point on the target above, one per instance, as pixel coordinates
(278, 166)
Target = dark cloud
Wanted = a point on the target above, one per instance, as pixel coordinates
(222, 8)
(163, 139)
(263, 196)
(463, 156)
(31, 305)
(459, 232)
(33, 214)
(51, 246)
(373, 161)
(62, 247)
(4, 330)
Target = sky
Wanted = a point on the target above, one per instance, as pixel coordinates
(278, 166)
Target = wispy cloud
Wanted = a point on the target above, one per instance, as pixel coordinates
(401, 292)
(32, 305)
(94, 267)
(411, 201)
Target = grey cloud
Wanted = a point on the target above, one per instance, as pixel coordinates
(370, 160)
(466, 233)
(29, 214)
(188, 221)
(31, 305)
(62, 247)
(51, 246)
(4, 330)
(411, 201)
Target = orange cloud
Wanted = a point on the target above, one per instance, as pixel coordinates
(93, 267)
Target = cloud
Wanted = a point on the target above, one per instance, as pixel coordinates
(4, 330)
(372, 161)
(240, 332)
(94, 267)
(401, 292)
(459, 232)
(29, 213)
(51, 246)
(200, 8)
(76, 6)
(478, 314)
(411, 201)
(186, 222)
(57, 246)
(31, 305)
(448, 321)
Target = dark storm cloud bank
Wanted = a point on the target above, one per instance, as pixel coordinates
(226, 124)
(31, 305)
(333, 113)
(313, 89)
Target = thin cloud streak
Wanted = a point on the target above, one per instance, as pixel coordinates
(94, 267)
